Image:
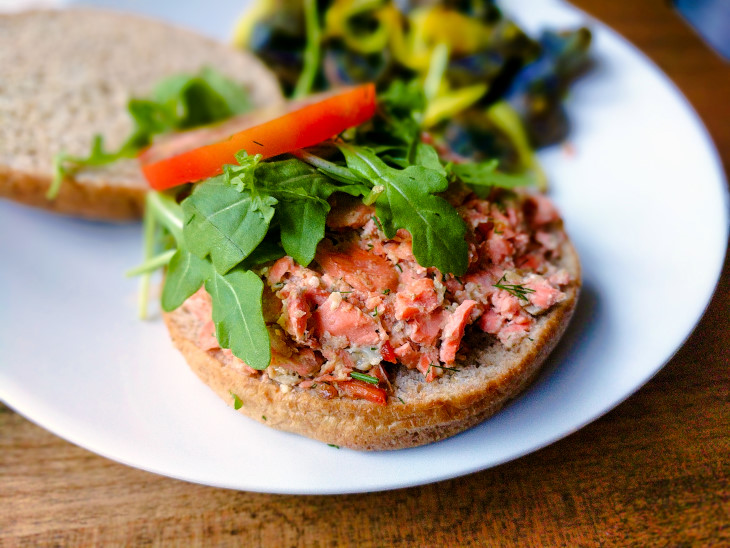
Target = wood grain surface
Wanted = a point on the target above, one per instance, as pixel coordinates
(655, 471)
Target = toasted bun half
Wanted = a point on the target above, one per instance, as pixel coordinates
(417, 412)
(68, 75)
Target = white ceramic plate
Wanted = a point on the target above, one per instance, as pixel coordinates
(645, 201)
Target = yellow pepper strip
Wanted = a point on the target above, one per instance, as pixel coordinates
(439, 25)
(506, 119)
(451, 103)
(336, 25)
(435, 76)
(401, 43)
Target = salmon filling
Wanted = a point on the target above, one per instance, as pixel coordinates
(365, 301)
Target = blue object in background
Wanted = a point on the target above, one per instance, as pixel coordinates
(711, 19)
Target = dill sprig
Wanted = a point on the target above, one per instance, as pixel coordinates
(518, 290)
(440, 367)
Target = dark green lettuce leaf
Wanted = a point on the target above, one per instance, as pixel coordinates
(302, 193)
(186, 273)
(225, 224)
(238, 315)
(481, 177)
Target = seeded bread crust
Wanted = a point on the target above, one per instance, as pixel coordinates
(68, 75)
(417, 412)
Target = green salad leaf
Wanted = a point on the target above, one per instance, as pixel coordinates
(301, 191)
(402, 106)
(225, 224)
(427, 156)
(206, 97)
(268, 250)
(409, 202)
(241, 175)
(186, 273)
(238, 315)
(303, 207)
(398, 124)
(481, 177)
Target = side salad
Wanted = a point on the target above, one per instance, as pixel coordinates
(491, 91)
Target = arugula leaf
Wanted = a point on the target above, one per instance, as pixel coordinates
(66, 164)
(241, 176)
(150, 118)
(355, 185)
(417, 153)
(268, 250)
(235, 97)
(427, 156)
(302, 228)
(302, 192)
(238, 315)
(294, 174)
(184, 101)
(409, 202)
(225, 224)
(186, 273)
(483, 176)
(396, 133)
(398, 119)
(402, 103)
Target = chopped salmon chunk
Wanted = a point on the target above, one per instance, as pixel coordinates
(544, 295)
(425, 329)
(362, 269)
(454, 331)
(418, 297)
(340, 318)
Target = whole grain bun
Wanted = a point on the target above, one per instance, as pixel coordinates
(417, 412)
(67, 75)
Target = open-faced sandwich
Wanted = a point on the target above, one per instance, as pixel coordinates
(374, 272)
(363, 292)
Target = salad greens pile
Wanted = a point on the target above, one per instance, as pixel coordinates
(491, 91)
(218, 233)
(177, 103)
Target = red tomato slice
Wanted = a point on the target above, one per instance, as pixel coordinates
(201, 153)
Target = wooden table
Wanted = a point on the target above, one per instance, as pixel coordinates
(653, 471)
